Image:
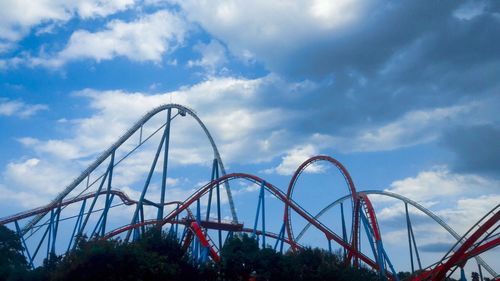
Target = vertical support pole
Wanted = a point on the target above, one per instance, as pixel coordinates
(344, 229)
(380, 257)
(95, 232)
(462, 274)
(25, 248)
(165, 165)
(480, 272)
(143, 228)
(177, 225)
(254, 233)
(56, 227)
(199, 247)
(107, 202)
(146, 184)
(415, 248)
(281, 237)
(77, 224)
(218, 202)
(259, 205)
(262, 189)
(49, 238)
(82, 227)
(39, 244)
(198, 211)
(136, 235)
(369, 235)
(212, 177)
(394, 274)
(329, 245)
(408, 227)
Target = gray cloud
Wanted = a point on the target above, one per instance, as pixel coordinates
(476, 148)
(436, 247)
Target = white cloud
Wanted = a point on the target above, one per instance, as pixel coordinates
(467, 211)
(234, 126)
(440, 184)
(18, 17)
(293, 158)
(58, 148)
(25, 199)
(213, 56)
(94, 8)
(412, 128)
(19, 108)
(147, 38)
(37, 176)
(271, 28)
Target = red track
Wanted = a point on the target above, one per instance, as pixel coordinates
(352, 189)
(466, 251)
(271, 188)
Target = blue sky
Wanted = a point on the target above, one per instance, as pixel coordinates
(404, 94)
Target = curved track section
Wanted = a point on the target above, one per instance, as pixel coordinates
(478, 239)
(482, 237)
(274, 191)
(406, 200)
(350, 185)
(108, 152)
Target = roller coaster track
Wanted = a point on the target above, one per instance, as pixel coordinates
(273, 191)
(482, 237)
(406, 200)
(107, 153)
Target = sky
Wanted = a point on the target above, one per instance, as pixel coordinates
(405, 94)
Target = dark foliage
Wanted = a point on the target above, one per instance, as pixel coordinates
(241, 256)
(13, 265)
(157, 256)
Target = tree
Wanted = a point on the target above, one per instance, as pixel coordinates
(153, 257)
(239, 257)
(13, 264)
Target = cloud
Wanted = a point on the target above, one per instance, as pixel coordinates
(414, 127)
(293, 158)
(18, 17)
(114, 112)
(19, 108)
(37, 176)
(440, 184)
(460, 200)
(270, 28)
(147, 38)
(26, 199)
(475, 148)
(213, 56)
(438, 247)
(320, 37)
(468, 211)
(58, 148)
(427, 62)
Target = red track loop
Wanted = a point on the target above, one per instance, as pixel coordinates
(274, 191)
(352, 190)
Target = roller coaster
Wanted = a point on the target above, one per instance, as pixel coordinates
(92, 206)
